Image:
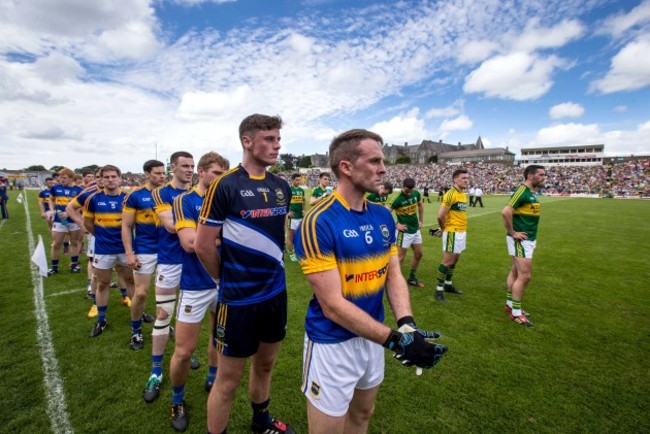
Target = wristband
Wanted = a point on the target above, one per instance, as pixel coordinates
(392, 343)
(406, 320)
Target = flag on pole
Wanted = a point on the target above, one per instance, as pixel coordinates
(39, 258)
(19, 199)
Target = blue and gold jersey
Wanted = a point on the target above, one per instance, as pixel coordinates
(62, 196)
(169, 248)
(140, 203)
(251, 212)
(106, 212)
(359, 245)
(80, 200)
(187, 208)
(44, 198)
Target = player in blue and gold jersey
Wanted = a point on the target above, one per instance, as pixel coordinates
(44, 202)
(60, 196)
(140, 239)
(103, 219)
(246, 208)
(452, 218)
(198, 292)
(346, 247)
(521, 218)
(170, 264)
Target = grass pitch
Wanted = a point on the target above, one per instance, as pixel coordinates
(583, 368)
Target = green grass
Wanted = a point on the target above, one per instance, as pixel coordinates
(583, 368)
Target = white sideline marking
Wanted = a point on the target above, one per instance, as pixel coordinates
(2, 223)
(56, 408)
(70, 291)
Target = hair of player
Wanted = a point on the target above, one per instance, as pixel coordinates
(211, 158)
(388, 187)
(68, 172)
(295, 175)
(345, 147)
(531, 170)
(87, 172)
(257, 122)
(409, 183)
(149, 165)
(323, 175)
(111, 168)
(77, 177)
(178, 154)
(458, 172)
(49, 178)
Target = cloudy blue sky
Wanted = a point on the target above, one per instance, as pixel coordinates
(85, 82)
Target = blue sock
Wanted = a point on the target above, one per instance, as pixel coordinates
(212, 373)
(156, 365)
(123, 291)
(101, 313)
(66, 244)
(74, 260)
(136, 327)
(178, 394)
(55, 264)
(261, 415)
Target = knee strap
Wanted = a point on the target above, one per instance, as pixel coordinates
(166, 303)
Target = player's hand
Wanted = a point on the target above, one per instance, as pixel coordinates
(520, 236)
(409, 326)
(400, 227)
(412, 349)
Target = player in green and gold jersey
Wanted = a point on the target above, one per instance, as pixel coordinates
(323, 189)
(296, 211)
(410, 213)
(521, 218)
(452, 218)
(381, 197)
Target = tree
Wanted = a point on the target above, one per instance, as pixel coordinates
(36, 168)
(304, 161)
(56, 168)
(92, 168)
(404, 159)
(288, 161)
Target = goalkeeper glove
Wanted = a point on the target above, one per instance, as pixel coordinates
(409, 321)
(411, 349)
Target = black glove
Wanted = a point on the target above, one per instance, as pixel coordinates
(410, 321)
(411, 349)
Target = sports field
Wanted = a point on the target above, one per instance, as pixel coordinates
(584, 368)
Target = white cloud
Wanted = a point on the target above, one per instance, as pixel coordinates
(518, 76)
(568, 134)
(476, 51)
(405, 127)
(57, 68)
(617, 25)
(629, 70)
(444, 112)
(199, 2)
(460, 123)
(620, 109)
(566, 110)
(535, 37)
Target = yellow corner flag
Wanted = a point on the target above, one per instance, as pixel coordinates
(39, 258)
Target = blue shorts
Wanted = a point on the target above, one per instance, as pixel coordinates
(239, 330)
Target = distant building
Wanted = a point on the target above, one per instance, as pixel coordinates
(579, 155)
(320, 160)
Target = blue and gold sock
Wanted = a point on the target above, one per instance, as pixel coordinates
(101, 313)
(261, 415)
(156, 365)
(178, 394)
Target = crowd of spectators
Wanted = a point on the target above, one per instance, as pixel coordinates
(630, 179)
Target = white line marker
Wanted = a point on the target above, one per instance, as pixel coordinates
(2, 223)
(56, 407)
(70, 291)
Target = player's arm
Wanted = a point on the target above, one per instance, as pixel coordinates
(205, 247)
(420, 213)
(314, 200)
(41, 207)
(506, 214)
(397, 290)
(75, 212)
(187, 236)
(167, 219)
(52, 203)
(327, 289)
(442, 216)
(89, 224)
(128, 221)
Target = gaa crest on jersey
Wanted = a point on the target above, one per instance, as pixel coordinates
(314, 389)
(384, 231)
(220, 332)
(279, 195)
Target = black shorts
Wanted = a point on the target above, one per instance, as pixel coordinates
(239, 330)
